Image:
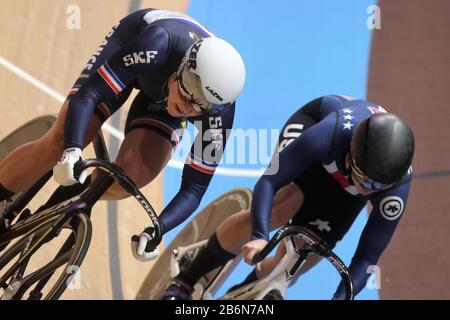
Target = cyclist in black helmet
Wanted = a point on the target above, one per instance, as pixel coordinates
(335, 154)
(381, 151)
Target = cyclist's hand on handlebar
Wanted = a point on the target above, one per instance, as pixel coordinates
(140, 245)
(63, 172)
(251, 248)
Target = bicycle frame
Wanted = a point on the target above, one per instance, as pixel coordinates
(280, 278)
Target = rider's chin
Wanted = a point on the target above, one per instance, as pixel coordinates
(173, 110)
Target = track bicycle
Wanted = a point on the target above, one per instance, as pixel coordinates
(274, 285)
(25, 233)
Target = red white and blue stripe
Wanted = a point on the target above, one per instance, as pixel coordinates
(74, 89)
(111, 78)
(378, 109)
(340, 178)
(201, 165)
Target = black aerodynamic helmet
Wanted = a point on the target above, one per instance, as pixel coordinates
(382, 147)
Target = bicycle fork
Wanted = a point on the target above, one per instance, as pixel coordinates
(285, 272)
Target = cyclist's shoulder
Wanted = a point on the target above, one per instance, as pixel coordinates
(350, 114)
(390, 204)
(337, 116)
(347, 104)
(178, 25)
(402, 187)
(151, 37)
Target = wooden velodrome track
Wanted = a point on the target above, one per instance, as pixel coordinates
(409, 74)
(36, 39)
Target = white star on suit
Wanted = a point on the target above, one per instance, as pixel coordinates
(348, 125)
(347, 110)
(321, 225)
(348, 117)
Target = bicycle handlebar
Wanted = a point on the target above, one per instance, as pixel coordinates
(128, 185)
(319, 247)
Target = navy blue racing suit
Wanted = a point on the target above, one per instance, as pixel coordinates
(317, 155)
(142, 51)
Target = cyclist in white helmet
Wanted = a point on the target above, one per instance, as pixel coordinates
(183, 74)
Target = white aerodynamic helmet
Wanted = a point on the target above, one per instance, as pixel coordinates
(212, 73)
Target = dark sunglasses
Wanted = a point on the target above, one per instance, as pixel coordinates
(367, 183)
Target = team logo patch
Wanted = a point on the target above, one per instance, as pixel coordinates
(192, 59)
(213, 93)
(140, 57)
(391, 208)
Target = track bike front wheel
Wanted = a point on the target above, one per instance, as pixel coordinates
(44, 274)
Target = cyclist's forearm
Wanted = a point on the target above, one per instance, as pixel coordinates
(180, 208)
(262, 209)
(359, 270)
(374, 240)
